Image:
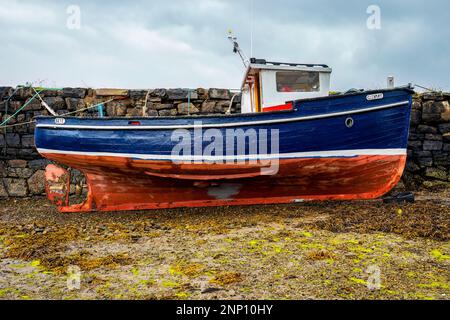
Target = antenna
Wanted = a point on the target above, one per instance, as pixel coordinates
(237, 49)
(252, 25)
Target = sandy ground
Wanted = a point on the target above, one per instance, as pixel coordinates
(359, 250)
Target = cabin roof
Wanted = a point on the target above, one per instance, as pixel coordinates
(262, 64)
(270, 63)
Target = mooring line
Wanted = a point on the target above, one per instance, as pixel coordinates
(20, 109)
(61, 115)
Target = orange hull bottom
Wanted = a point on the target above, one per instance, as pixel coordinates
(123, 184)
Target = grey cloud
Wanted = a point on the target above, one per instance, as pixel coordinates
(183, 43)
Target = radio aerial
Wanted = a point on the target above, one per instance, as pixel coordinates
(237, 49)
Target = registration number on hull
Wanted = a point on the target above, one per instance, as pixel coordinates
(377, 96)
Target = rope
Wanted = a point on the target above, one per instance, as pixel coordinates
(84, 109)
(426, 88)
(231, 103)
(61, 115)
(20, 109)
(144, 111)
(10, 97)
(19, 124)
(45, 105)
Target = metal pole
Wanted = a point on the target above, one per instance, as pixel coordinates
(5, 151)
(189, 102)
(100, 110)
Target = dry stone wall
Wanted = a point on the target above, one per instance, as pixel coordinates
(429, 143)
(22, 169)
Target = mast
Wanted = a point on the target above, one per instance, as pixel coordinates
(237, 49)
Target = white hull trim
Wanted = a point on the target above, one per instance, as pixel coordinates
(299, 155)
(222, 125)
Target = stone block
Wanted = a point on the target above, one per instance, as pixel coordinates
(34, 104)
(209, 107)
(160, 106)
(13, 106)
(17, 163)
(415, 145)
(39, 164)
(28, 141)
(74, 104)
(24, 93)
(153, 113)
(221, 94)
(436, 112)
(187, 108)
(222, 106)
(19, 172)
(168, 113)
(13, 140)
(56, 103)
(116, 109)
(16, 187)
(6, 92)
(36, 183)
(79, 93)
(138, 94)
(202, 93)
(111, 93)
(154, 100)
(27, 153)
(429, 145)
(427, 129)
(159, 93)
(181, 94)
(134, 112)
(416, 136)
(51, 93)
(433, 137)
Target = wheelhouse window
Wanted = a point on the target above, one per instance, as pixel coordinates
(298, 81)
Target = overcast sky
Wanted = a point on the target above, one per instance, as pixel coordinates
(175, 43)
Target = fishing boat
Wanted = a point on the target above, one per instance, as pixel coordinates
(292, 142)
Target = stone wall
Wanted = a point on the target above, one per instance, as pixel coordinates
(429, 143)
(22, 169)
(19, 141)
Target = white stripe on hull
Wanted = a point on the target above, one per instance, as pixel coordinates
(223, 125)
(315, 154)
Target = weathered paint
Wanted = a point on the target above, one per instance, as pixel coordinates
(120, 184)
(129, 163)
(57, 185)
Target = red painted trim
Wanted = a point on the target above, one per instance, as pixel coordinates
(284, 107)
